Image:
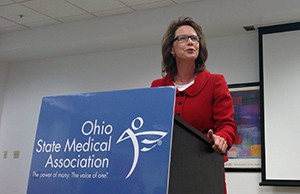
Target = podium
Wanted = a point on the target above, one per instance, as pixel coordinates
(195, 167)
(113, 143)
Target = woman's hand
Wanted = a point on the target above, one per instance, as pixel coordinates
(220, 144)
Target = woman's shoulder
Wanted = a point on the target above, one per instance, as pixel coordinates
(164, 81)
(213, 79)
(215, 76)
(156, 82)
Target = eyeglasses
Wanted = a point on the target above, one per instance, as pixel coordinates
(185, 38)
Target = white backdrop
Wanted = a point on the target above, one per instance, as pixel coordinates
(281, 63)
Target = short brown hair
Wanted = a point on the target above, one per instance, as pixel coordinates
(168, 61)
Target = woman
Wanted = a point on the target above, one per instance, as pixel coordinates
(202, 98)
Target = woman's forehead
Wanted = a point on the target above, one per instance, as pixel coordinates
(185, 30)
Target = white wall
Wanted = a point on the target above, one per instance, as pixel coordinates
(3, 76)
(235, 56)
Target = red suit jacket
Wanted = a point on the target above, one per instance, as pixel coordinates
(205, 105)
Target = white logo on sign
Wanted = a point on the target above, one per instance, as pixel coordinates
(136, 124)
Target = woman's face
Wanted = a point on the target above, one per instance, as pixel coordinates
(186, 44)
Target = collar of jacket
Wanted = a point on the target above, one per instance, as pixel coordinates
(200, 81)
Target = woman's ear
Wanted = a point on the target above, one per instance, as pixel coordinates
(172, 52)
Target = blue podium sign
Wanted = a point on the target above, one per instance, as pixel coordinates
(104, 143)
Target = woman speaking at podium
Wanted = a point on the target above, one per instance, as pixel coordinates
(202, 98)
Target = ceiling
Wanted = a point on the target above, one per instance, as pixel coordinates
(26, 14)
(39, 29)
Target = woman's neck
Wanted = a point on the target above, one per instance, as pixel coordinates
(185, 73)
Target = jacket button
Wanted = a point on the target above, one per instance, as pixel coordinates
(179, 103)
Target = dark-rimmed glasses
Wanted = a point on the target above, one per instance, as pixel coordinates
(185, 38)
